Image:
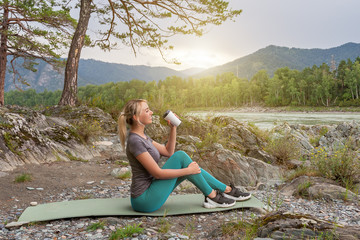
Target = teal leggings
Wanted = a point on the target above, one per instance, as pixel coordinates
(155, 196)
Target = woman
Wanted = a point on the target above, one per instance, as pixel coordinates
(152, 185)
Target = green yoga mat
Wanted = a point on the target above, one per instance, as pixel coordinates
(175, 205)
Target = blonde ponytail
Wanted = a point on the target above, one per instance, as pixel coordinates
(122, 129)
(131, 108)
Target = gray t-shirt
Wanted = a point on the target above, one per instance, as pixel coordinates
(141, 178)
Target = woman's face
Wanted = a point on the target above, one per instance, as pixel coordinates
(145, 116)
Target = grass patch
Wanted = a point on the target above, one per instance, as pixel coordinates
(127, 231)
(84, 196)
(315, 141)
(95, 226)
(302, 171)
(163, 225)
(122, 163)
(11, 144)
(264, 135)
(74, 158)
(25, 177)
(190, 227)
(303, 188)
(240, 230)
(125, 175)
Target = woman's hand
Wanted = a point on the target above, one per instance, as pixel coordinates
(169, 123)
(194, 168)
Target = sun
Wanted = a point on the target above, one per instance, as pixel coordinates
(197, 58)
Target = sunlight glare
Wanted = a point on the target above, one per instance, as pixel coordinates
(199, 58)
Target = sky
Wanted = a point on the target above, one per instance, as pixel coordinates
(288, 23)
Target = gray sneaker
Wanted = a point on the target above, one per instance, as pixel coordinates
(236, 194)
(219, 201)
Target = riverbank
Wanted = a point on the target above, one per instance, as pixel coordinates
(262, 109)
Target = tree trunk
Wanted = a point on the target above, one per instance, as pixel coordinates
(3, 53)
(69, 94)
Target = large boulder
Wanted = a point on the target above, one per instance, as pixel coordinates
(347, 133)
(318, 188)
(28, 136)
(284, 225)
(232, 167)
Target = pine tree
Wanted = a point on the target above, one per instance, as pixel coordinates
(32, 30)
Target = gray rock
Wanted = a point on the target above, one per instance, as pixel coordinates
(43, 138)
(317, 188)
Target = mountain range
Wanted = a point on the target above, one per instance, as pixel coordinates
(269, 58)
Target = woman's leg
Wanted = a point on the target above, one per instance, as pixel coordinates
(204, 181)
(158, 192)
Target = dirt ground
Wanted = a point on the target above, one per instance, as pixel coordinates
(54, 178)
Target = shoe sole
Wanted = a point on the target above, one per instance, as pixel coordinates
(237, 198)
(212, 204)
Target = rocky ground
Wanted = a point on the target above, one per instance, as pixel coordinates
(78, 171)
(61, 181)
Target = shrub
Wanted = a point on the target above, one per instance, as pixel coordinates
(86, 129)
(341, 165)
(283, 148)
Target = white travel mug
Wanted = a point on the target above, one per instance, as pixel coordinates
(169, 115)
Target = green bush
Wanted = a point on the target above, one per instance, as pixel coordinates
(88, 128)
(283, 148)
(341, 165)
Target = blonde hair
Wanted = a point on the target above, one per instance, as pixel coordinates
(130, 109)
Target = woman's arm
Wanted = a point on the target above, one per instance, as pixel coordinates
(153, 168)
(169, 149)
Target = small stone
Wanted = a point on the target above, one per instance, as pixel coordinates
(33, 203)
(40, 189)
(80, 225)
(90, 182)
(30, 188)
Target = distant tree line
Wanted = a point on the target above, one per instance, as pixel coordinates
(316, 86)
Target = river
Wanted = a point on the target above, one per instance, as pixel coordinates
(266, 120)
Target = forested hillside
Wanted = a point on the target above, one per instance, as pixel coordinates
(315, 86)
(90, 72)
(270, 59)
(273, 57)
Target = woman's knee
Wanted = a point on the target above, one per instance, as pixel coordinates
(183, 156)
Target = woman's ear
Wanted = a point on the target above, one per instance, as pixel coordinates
(135, 118)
